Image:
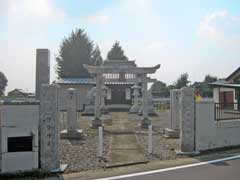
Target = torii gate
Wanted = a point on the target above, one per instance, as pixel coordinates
(141, 72)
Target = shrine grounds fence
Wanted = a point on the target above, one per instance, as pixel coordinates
(226, 111)
(162, 104)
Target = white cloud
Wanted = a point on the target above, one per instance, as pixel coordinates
(42, 9)
(25, 28)
(218, 24)
(99, 18)
(154, 47)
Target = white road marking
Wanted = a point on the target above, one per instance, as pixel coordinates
(170, 169)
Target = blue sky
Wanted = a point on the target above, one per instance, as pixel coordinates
(197, 37)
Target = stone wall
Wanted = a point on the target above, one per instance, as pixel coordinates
(212, 134)
(18, 120)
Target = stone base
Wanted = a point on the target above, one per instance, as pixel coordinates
(62, 168)
(151, 111)
(192, 153)
(88, 111)
(104, 110)
(71, 135)
(171, 133)
(145, 123)
(96, 123)
(134, 109)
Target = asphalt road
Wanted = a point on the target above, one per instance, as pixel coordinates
(224, 170)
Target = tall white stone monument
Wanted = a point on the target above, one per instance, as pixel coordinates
(42, 69)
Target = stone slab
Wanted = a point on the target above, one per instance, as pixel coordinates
(77, 134)
(192, 153)
(62, 169)
(171, 133)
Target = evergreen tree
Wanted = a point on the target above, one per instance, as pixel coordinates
(3, 83)
(209, 79)
(160, 89)
(116, 53)
(96, 57)
(75, 51)
(182, 81)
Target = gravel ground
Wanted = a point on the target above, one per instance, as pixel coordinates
(163, 148)
(81, 155)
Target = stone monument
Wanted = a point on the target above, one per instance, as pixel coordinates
(72, 131)
(90, 102)
(150, 107)
(42, 69)
(173, 130)
(49, 129)
(187, 121)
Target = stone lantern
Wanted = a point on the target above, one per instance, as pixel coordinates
(104, 109)
(136, 93)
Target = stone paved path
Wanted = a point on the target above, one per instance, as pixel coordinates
(124, 145)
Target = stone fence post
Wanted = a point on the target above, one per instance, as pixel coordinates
(173, 130)
(174, 105)
(187, 121)
(49, 129)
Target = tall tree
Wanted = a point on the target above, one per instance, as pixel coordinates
(182, 81)
(3, 83)
(75, 51)
(160, 89)
(116, 52)
(209, 79)
(96, 56)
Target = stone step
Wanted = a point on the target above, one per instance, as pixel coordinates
(171, 133)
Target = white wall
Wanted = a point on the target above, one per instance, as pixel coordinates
(15, 121)
(211, 134)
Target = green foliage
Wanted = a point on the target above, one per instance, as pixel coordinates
(116, 53)
(75, 51)
(159, 89)
(203, 87)
(3, 83)
(96, 57)
(182, 81)
(209, 79)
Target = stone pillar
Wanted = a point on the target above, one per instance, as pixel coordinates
(150, 140)
(173, 130)
(49, 129)
(71, 110)
(100, 142)
(174, 105)
(42, 69)
(145, 121)
(72, 131)
(96, 122)
(187, 120)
